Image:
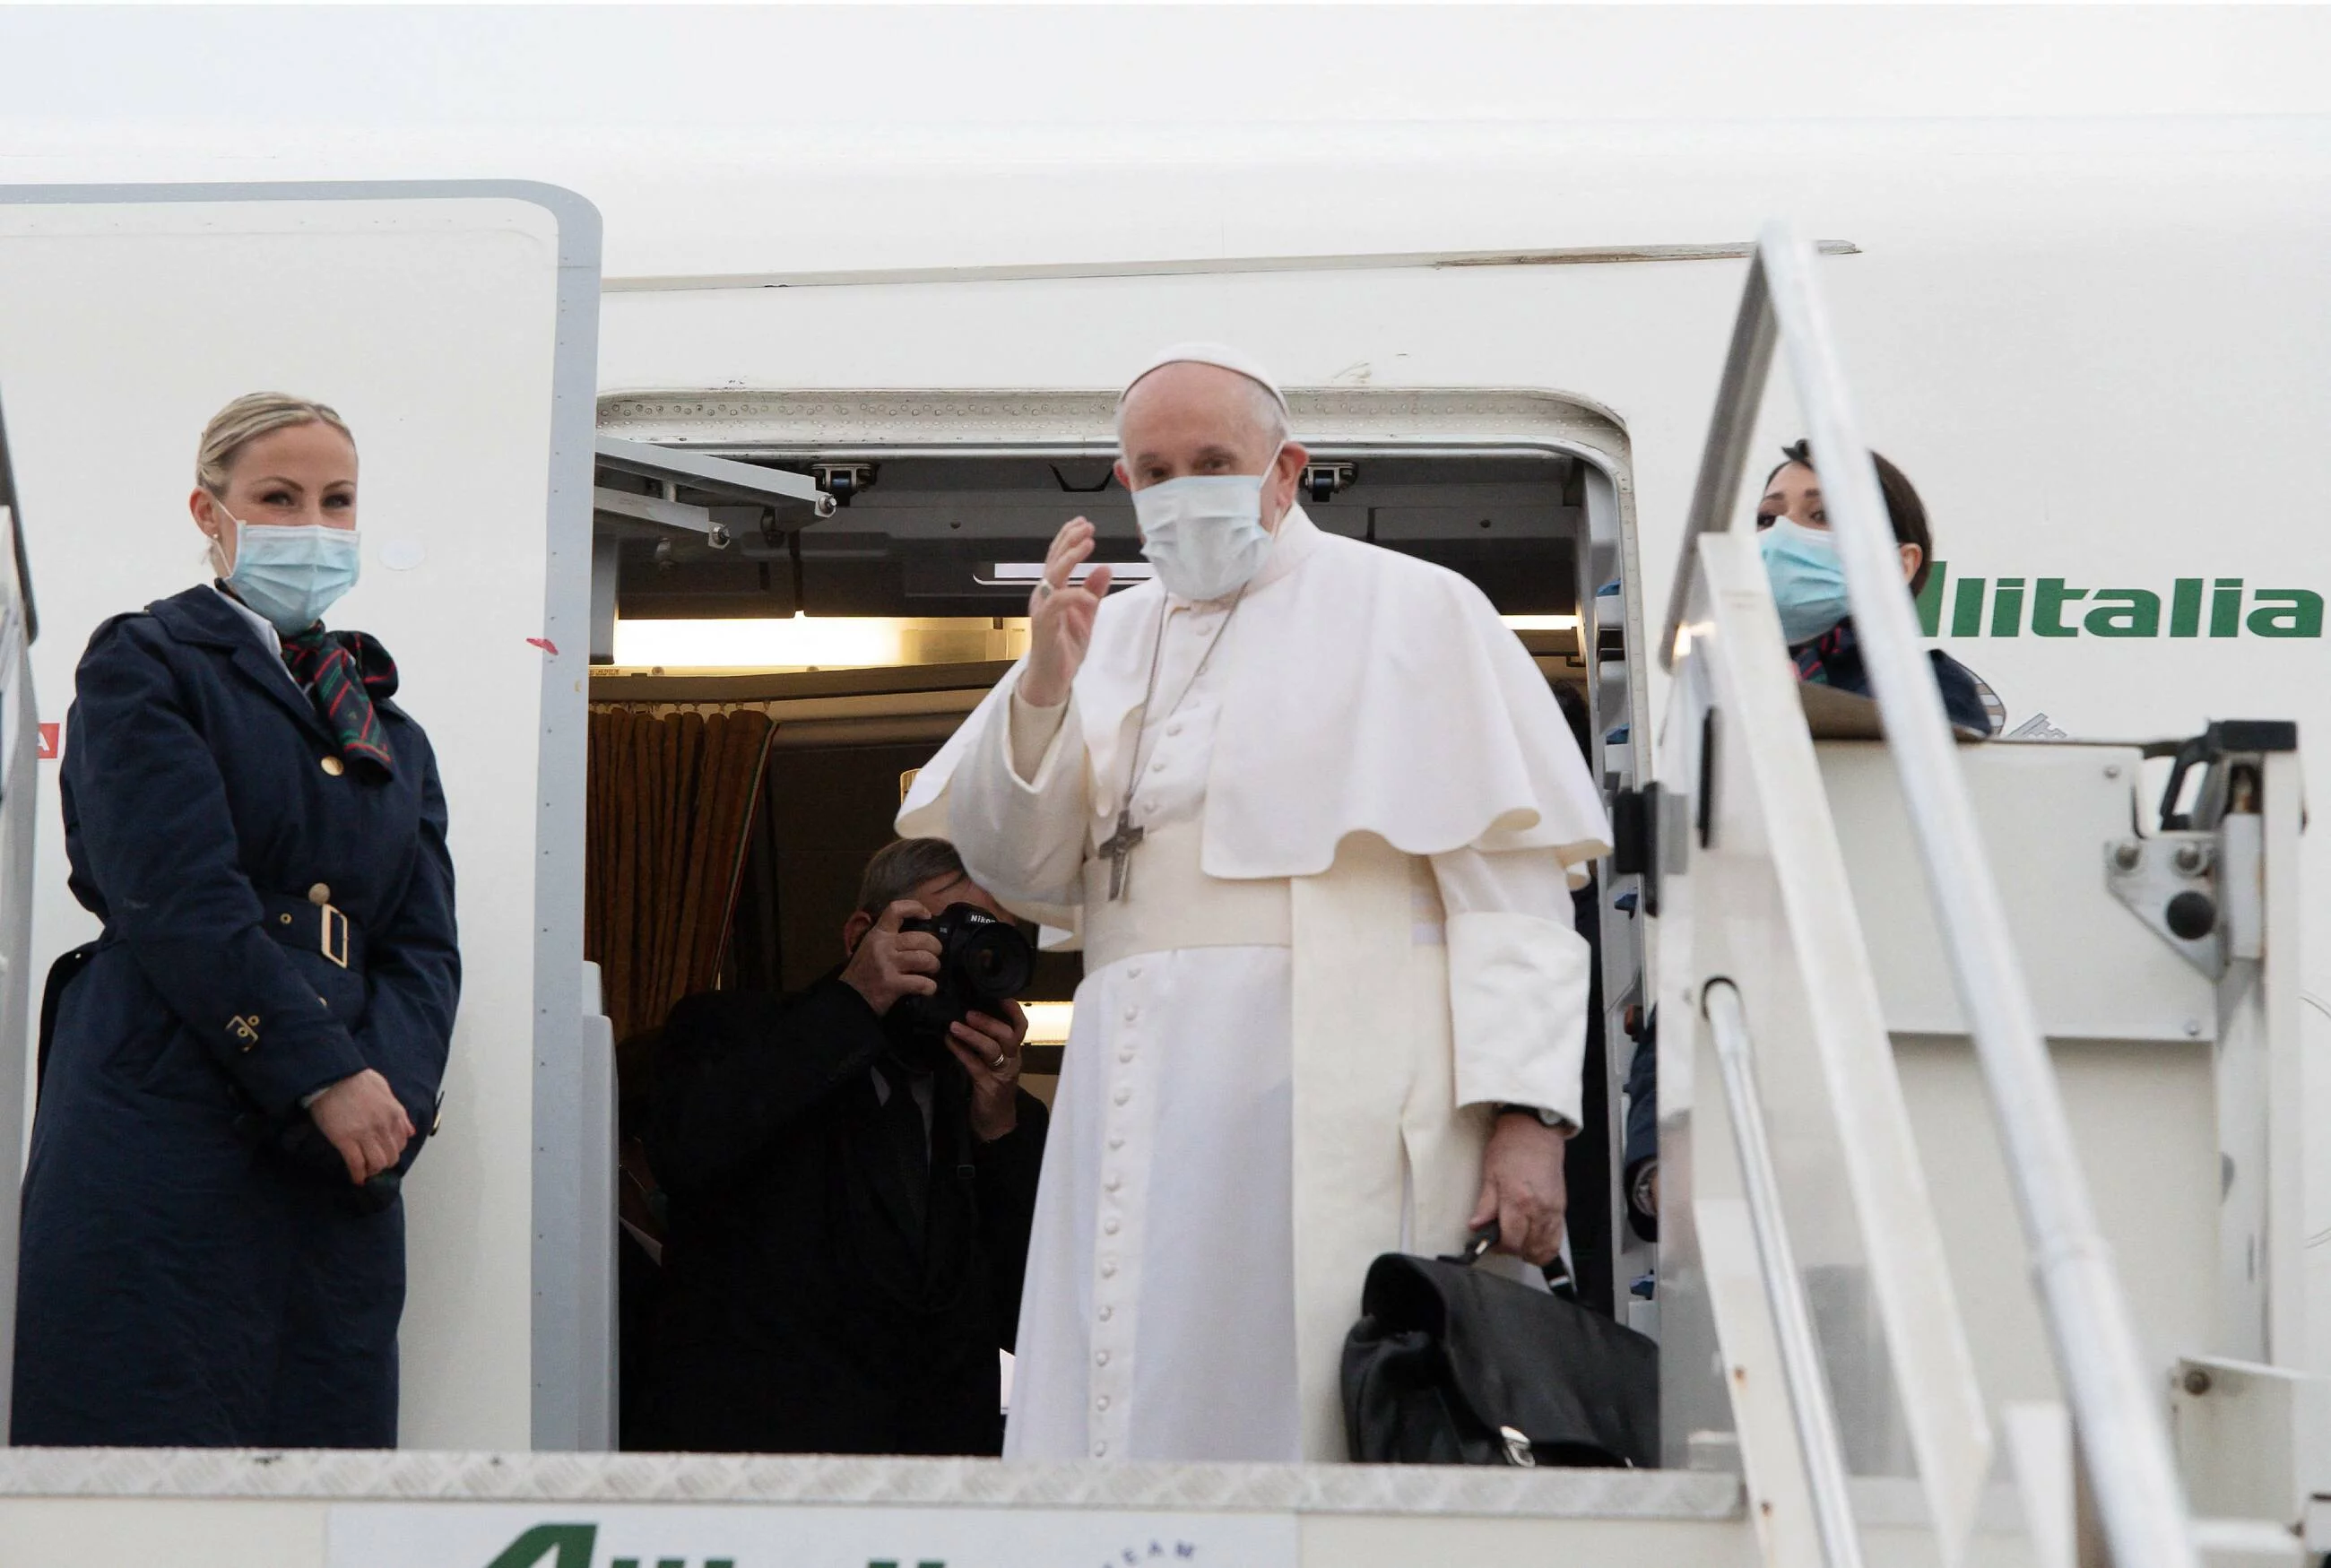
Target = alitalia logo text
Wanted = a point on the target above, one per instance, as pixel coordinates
(2060, 607)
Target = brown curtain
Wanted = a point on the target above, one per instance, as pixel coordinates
(671, 798)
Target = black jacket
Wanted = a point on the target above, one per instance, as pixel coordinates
(827, 1286)
(1642, 1146)
(181, 1281)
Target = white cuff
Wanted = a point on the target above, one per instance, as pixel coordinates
(1034, 735)
(1517, 996)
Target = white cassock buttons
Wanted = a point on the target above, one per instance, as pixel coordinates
(1117, 1142)
(1131, 1013)
(1114, 1181)
(1122, 1096)
(1125, 1055)
(1101, 1358)
(1101, 1404)
(1175, 729)
(1107, 1313)
(1109, 1271)
(1101, 1451)
(1109, 1225)
(1133, 972)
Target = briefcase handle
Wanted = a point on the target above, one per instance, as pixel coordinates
(1557, 1273)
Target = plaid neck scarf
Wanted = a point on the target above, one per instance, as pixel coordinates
(1813, 657)
(343, 673)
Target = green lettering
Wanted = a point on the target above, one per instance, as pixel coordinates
(2048, 601)
(2185, 608)
(2137, 615)
(2287, 613)
(572, 1545)
(1967, 608)
(2226, 608)
(1930, 599)
(2007, 607)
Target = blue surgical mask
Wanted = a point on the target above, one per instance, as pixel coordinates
(1808, 579)
(1204, 534)
(292, 576)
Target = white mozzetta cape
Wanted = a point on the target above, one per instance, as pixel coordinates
(1373, 693)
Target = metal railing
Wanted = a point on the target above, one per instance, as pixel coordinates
(2122, 1428)
(1809, 1409)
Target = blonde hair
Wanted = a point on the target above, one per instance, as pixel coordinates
(244, 421)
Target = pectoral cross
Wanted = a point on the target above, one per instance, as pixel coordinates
(1118, 850)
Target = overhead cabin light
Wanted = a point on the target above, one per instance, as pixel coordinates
(1048, 1022)
(1025, 573)
(859, 642)
(796, 642)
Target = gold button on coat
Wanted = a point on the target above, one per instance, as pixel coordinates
(333, 765)
(319, 894)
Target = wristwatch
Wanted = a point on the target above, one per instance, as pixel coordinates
(1555, 1119)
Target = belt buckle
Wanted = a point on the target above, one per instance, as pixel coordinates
(333, 936)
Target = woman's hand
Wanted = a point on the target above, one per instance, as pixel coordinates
(989, 1050)
(1061, 617)
(362, 1118)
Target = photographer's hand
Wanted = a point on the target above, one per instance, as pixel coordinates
(888, 963)
(989, 1050)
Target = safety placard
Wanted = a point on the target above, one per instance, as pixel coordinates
(807, 1535)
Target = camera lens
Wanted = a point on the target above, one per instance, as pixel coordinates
(995, 959)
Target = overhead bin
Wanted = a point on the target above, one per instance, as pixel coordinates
(682, 488)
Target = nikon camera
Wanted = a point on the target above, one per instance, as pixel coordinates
(984, 962)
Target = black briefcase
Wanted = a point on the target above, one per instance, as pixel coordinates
(1450, 1365)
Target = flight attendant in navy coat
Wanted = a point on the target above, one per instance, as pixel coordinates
(248, 1062)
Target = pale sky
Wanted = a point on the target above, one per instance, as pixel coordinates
(248, 76)
(749, 138)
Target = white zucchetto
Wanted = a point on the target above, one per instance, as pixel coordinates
(1220, 355)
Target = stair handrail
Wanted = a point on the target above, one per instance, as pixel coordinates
(1811, 1410)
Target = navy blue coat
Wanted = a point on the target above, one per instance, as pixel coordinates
(191, 1271)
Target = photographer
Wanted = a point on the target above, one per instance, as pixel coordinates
(851, 1176)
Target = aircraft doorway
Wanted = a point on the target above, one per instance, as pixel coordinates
(762, 699)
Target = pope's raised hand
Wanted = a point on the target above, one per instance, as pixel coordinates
(1061, 617)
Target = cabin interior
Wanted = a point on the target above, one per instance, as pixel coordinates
(765, 679)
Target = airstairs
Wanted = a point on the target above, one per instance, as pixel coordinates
(1981, 1145)
(1963, 1240)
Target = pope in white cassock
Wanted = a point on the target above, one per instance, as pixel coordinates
(1314, 815)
